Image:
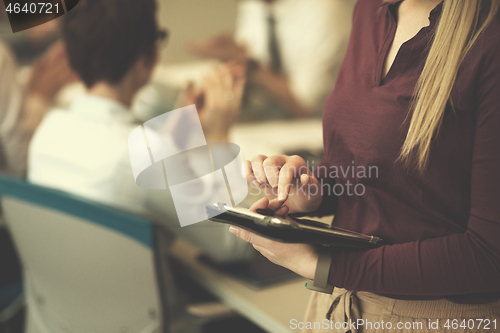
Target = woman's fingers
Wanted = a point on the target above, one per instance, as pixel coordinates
(277, 171)
(285, 179)
(272, 166)
(250, 175)
(266, 169)
(282, 176)
(274, 205)
(259, 204)
(265, 252)
(248, 236)
(258, 168)
(309, 184)
(277, 206)
(300, 258)
(282, 211)
(294, 167)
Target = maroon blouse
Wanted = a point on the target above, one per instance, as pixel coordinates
(444, 226)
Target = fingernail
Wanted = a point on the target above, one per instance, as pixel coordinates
(255, 183)
(281, 196)
(233, 230)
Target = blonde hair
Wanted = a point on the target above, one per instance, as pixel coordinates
(455, 34)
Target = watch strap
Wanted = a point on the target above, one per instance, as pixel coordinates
(320, 282)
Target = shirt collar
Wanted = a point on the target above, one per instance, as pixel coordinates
(386, 3)
(97, 108)
(436, 11)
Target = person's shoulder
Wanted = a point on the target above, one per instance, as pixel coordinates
(491, 33)
(54, 122)
(46, 135)
(487, 46)
(484, 60)
(370, 5)
(367, 9)
(57, 114)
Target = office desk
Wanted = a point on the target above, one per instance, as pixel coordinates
(271, 308)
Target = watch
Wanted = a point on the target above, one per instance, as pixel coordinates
(320, 282)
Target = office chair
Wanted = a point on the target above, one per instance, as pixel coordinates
(11, 288)
(86, 267)
(11, 303)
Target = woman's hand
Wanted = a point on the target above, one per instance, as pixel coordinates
(299, 258)
(286, 181)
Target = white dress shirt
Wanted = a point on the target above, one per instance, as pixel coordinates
(84, 151)
(312, 38)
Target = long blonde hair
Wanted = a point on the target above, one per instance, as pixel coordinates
(456, 33)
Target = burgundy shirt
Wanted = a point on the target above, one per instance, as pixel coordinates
(444, 226)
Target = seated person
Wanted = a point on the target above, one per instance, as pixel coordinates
(29, 44)
(112, 46)
(292, 49)
(10, 106)
(23, 107)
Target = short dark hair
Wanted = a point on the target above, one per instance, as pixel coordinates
(104, 38)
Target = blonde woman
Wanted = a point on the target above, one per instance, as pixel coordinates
(417, 102)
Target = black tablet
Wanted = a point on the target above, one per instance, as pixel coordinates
(290, 230)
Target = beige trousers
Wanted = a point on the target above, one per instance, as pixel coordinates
(363, 312)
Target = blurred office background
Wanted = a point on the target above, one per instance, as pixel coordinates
(194, 20)
(186, 20)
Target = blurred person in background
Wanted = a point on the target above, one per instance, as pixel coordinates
(112, 46)
(21, 109)
(22, 106)
(28, 45)
(292, 50)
